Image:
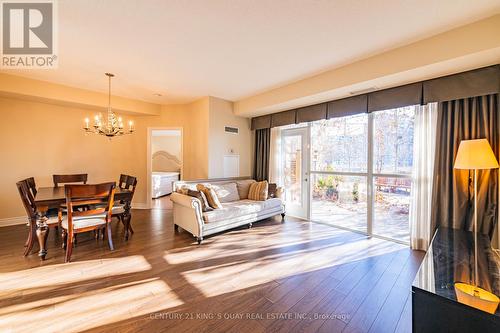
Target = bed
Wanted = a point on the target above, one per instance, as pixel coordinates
(166, 170)
(162, 183)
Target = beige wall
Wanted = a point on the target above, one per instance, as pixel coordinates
(221, 143)
(168, 143)
(39, 139)
(196, 145)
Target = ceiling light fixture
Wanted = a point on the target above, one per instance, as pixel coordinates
(114, 125)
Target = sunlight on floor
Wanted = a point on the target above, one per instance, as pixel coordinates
(65, 291)
(89, 309)
(218, 272)
(89, 294)
(60, 275)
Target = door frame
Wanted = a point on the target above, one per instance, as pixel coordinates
(305, 133)
(149, 163)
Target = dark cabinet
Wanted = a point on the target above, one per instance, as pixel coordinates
(450, 259)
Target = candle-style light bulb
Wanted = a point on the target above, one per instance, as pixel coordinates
(131, 126)
(86, 123)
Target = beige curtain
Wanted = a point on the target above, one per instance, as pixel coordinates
(275, 157)
(261, 157)
(424, 144)
(452, 199)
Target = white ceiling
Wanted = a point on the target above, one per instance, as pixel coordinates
(233, 49)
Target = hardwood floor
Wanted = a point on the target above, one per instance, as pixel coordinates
(162, 202)
(276, 277)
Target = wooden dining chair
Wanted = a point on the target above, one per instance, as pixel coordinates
(28, 201)
(128, 183)
(67, 179)
(31, 185)
(99, 199)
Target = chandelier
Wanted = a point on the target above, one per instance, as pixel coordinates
(113, 125)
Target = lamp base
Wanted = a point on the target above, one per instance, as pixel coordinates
(476, 297)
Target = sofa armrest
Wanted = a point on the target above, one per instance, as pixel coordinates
(187, 213)
(185, 200)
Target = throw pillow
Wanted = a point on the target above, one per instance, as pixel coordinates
(183, 190)
(205, 207)
(226, 192)
(271, 190)
(244, 187)
(258, 191)
(209, 192)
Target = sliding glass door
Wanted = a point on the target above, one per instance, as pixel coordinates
(339, 170)
(361, 172)
(295, 165)
(392, 167)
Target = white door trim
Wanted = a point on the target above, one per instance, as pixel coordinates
(149, 161)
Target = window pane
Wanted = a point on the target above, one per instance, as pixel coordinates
(392, 207)
(340, 144)
(339, 200)
(393, 140)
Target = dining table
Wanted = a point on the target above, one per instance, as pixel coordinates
(53, 197)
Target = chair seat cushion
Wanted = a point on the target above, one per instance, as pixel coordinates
(80, 222)
(118, 209)
(64, 209)
(52, 220)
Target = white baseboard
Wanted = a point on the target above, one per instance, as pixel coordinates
(140, 205)
(13, 221)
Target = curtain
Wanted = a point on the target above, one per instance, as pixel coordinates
(261, 157)
(275, 157)
(424, 143)
(452, 198)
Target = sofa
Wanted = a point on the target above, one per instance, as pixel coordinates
(237, 209)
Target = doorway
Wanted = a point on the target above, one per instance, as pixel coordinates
(295, 171)
(164, 156)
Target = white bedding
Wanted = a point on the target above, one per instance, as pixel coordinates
(161, 183)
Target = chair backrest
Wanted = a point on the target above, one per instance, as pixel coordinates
(98, 197)
(65, 179)
(31, 185)
(129, 183)
(27, 199)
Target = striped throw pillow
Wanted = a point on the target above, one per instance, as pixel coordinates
(258, 191)
(209, 192)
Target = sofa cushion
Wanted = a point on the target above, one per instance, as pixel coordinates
(241, 208)
(205, 207)
(271, 190)
(209, 192)
(258, 191)
(243, 187)
(226, 192)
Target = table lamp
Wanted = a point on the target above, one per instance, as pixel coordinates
(476, 155)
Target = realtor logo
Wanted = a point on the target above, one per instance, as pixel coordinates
(28, 34)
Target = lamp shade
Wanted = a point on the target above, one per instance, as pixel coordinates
(475, 154)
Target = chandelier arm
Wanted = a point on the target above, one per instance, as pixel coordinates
(114, 124)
